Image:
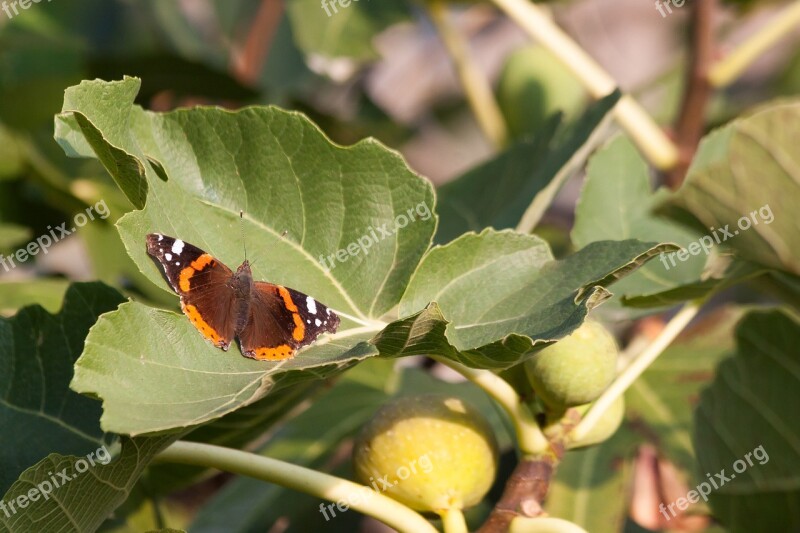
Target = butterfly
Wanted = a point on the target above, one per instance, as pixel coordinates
(271, 321)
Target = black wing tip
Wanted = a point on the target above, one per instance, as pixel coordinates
(333, 322)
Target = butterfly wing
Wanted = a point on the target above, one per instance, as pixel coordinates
(281, 321)
(202, 283)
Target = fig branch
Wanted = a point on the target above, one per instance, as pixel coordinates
(524, 492)
(475, 85)
(321, 485)
(725, 71)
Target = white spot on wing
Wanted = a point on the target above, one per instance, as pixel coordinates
(311, 305)
(160, 237)
(168, 256)
(177, 247)
(317, 322)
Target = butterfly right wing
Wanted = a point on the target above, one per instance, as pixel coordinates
(281, 321)
(202, 283)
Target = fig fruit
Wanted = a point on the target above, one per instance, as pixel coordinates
(606, 426)
(533, 85)
(429, 452)
(576, 369)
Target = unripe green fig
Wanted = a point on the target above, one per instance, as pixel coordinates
(576, 369)
(533, 85)
(605, 427)
(430, 452)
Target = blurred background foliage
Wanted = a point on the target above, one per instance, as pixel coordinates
(376, 68)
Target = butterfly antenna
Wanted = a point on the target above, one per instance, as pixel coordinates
(244, 243)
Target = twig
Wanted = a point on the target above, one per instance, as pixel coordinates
(648, 136)
(690, 125)
(475, 85)
(248, 63)
(325, 486)
(731, 67)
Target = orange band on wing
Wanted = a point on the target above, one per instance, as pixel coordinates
(195, 266)
(201, 325)
(299, 328)
(299, 331)
(278, 353)
(287, 299)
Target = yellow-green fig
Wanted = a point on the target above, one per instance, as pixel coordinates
(429, 452)
(607, 425)
(576, 369)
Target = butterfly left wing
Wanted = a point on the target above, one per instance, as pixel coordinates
(202, 283)
(283, 320)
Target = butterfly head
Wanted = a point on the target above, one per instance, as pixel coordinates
(242, 281)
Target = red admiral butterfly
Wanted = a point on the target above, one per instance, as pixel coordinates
(271, 321)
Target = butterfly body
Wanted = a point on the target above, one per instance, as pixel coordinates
(271, 321)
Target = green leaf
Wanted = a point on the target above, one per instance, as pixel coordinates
(523, 180)
(481, 197)
(327, 199)
(744, 179)
(105, 133)
(504, 285)
(37, 351)
(339, 30)
(45, 292)
(287, 177)
(238, 429)
(751, 408)
(133, 358)
(290, 179)
(723, 272)
(617, 203)
(88, 498)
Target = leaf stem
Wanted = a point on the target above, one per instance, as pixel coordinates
(647, 135)
(532, 441)
(725, 71)
(635, 369)
(453, 521)
(331, 488)
(475, 85)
